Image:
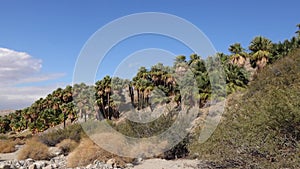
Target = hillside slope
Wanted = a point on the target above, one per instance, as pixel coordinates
(261, 126)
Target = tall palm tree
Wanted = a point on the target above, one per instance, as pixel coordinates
(261, 51)
(204, 87)
(238, 55)
(298, 31)
(4, 124)
(131, 93)
(100, 97)
(236, 78)
(107, 91)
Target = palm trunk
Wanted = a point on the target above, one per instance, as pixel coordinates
(138, 101)
(143, 100)
(84, 112)
(108, 102)
(131, 93)
(64, 120)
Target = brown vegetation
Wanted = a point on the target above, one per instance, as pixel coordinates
(34, 149)
(87, 152)
(67, 146)
(7, 146)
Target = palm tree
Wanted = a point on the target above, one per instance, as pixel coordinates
(236, 78)
(107, 91)
(100, 97)
(223, 58)
(298, 31)
(238, 55)
(196, 64)
(180, 59)
(64, 109)
(67, 94)
(261, 51)
(131, 93)
(4, 124)
(204, 87)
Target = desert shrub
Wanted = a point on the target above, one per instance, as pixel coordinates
(3, 137)
(157, 127)
(87, 152)
(142, 130)
(73, 132)
(178, 151)
(67, 146)
(34, 149)
(7, 146)
(20, 140)
(84, 154)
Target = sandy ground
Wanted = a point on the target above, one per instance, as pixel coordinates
(9, 156)
(171, 164)
(146, 164)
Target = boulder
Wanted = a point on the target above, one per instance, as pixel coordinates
(129, 165)
(40, 164)
(4, 166)
(55, 151)
(32, 166)
(111, 161)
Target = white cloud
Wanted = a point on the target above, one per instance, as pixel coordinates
(18, 68)
(21, 97)
(15, 66)
(41, 78)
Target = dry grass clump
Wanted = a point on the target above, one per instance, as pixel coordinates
(34, 149)
(87, 152)
(67, 146)
(7, 146)
(84, 154)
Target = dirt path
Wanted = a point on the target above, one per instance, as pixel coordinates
(10, 156)
(172, 164)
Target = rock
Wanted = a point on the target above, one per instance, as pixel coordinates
(55, 166)
(13, 166)
(30, 160)
(51, 166)
(138, 161)
(21, 162)
(40, 164)
(129, 165)
(4, 166)
(55, 151)
(111, 161)
(98, 165)
(106, 166)
(89, 166)
(32, 166)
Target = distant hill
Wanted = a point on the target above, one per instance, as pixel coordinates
(5, 112)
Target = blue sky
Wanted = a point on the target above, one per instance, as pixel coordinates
(52, 33)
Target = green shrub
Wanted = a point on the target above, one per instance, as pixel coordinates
(73, 132)
(178, 151)
(142, 130)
